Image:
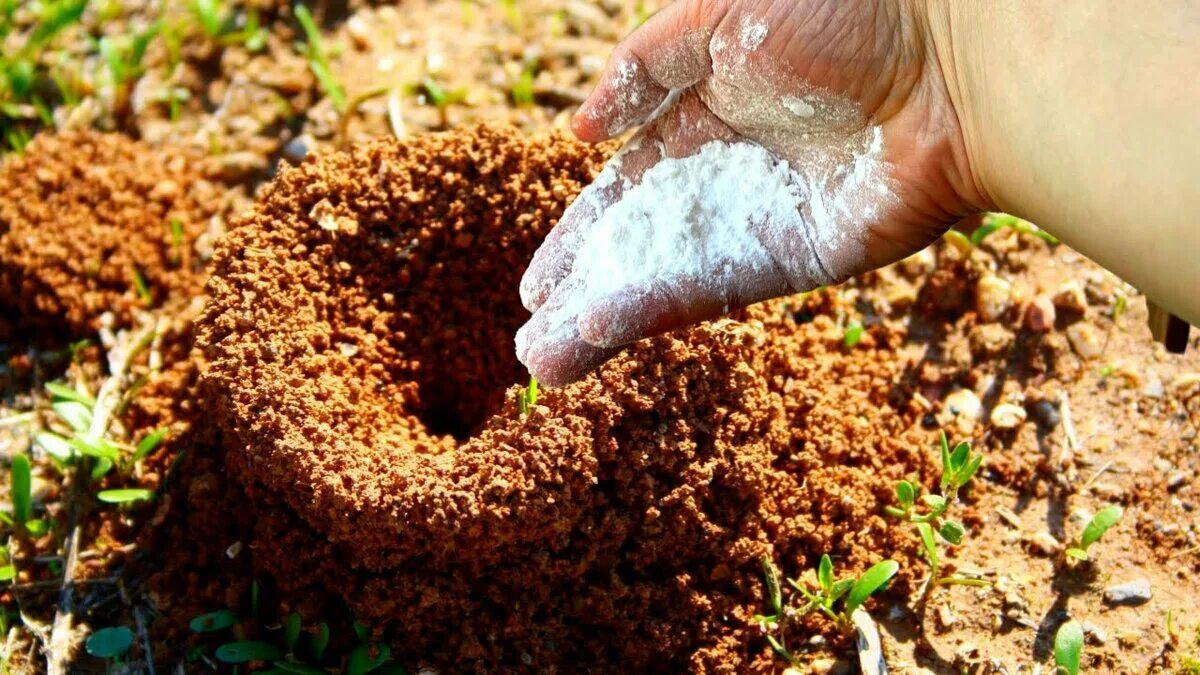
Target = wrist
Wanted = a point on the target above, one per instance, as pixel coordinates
(957, 50)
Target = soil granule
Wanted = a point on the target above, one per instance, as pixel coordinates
(83, 214)
(359, 331)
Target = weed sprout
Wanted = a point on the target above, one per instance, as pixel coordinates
(1099, 524)
(318, 59)
(1068, 646)
(927, 512)
(997, 221)
(529, 397)
(850, 592)
(109, 643)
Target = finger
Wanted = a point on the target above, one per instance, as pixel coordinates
(549, 344)
(669, 51)
(661, 306)
(555, 258)
(689, 125)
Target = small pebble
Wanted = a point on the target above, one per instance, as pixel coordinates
(1085, 340)
(1007, 416)
(1176, 480)
(1154, 386)
(1134, 592)
(1008, 516)
(1070, 297)
(993, 297)
(1044, 543)
(946, 618)
(1040, 315)
(1046, 413)
(1095, 634)
(919, 264)
(964, 403)
(295, 150)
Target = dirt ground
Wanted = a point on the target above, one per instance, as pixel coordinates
(344, 437)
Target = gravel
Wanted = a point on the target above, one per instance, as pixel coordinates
(1134, 592)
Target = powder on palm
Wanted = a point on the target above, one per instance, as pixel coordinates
(702, 219)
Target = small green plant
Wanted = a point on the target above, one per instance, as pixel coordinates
(27, 84)
(433, 93)
(848, 592)
(927, 512)
(77, 410)
(20, 489)
(216, 18)
(142, 288)
(529, 397)
(852, 335)
(1119, 306)
(522, 89)
(512, 14)
(289, 647)
(211, 15)
(123, 55)
(996, 221)
(1068, 648)
(318, 58)
(110, 643)
(1096, 527)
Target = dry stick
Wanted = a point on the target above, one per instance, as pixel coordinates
(147, 648)
(106, 399)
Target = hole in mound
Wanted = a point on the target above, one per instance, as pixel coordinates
(444, 321)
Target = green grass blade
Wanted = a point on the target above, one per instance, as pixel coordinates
(212, 621)
(1101, 522)
(65, 393)
(1068, 647)
(871, 581)
(124, 495)
(247, 650)
(21, 475)
(825, 574)
(930, 544)
(54, 445)
(109, 643)
(149, 443)
(774, 593)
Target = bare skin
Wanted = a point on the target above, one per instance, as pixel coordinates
(898, 66)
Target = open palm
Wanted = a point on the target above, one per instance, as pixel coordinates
(844, 98)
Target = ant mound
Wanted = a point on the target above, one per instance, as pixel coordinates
(360, 338)
(88, 217)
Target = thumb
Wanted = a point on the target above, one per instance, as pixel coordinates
(669, 51)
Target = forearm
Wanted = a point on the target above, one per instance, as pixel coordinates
(1083, 116)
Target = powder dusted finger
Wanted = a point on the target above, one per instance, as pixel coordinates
(668, 52)
(658, 307)
(549, 344)
(556, 256)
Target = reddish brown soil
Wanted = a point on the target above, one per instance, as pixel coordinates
(364, 378)
(82, 212)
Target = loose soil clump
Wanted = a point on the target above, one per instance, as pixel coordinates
(86, 217)
(360, 336)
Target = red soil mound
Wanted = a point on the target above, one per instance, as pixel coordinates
(83, 213)
(360, 337)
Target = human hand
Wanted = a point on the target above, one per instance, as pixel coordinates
(785, 146)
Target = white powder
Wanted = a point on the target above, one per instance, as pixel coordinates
(751, 32)
(721, 212)
(798, 106)
(688, 217)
